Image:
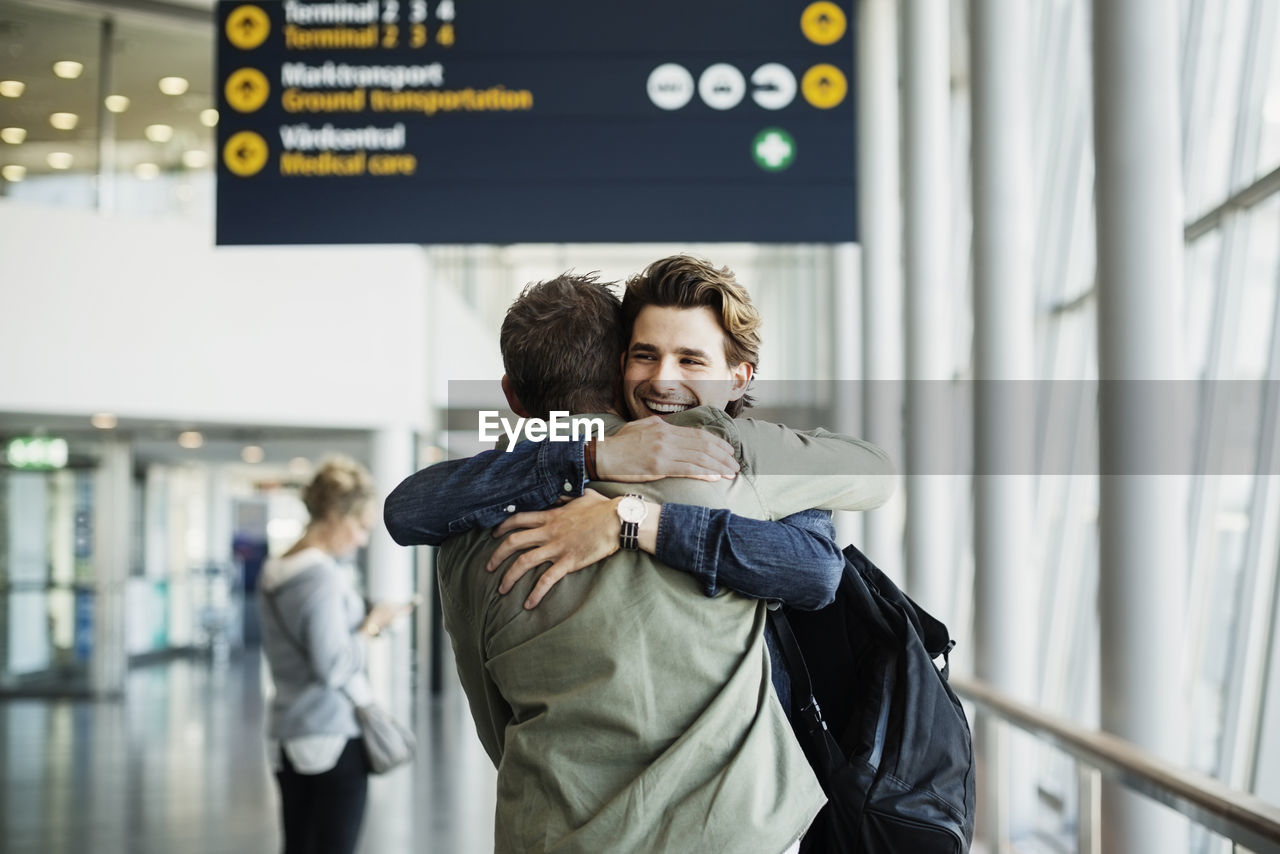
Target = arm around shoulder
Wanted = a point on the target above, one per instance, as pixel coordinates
(454, 496)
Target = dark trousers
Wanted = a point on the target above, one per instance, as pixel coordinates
(322, 812)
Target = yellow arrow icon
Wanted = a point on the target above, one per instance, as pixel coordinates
(247, 90)
(823, 22)
(245, 153)
(824, 86)
(247, 27)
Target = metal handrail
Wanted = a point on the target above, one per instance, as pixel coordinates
(1242, 817)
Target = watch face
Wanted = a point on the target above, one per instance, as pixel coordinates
(631, 509)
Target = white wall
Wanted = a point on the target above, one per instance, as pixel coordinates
(146, 318)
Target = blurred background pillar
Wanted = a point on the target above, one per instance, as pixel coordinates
(926, 70)
(849, 374)
(1004, 317)
(391, 574)
(1142, 583)
(112, 530)
(880, 234)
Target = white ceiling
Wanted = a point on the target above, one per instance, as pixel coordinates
(151, 39)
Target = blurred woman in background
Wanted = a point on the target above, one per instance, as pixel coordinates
(315, 628)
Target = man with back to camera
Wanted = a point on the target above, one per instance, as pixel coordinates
(511, 664)
(794, 560)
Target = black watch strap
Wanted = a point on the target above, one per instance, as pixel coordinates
(629, 536)
(629, 539)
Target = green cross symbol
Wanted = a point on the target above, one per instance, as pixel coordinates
(773, 149)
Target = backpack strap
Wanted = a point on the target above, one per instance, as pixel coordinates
(809, 712)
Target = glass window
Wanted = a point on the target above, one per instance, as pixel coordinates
(1214, 104)
(1240, 432)
(1219, 614)
(1267, 774)
(1262, 261)
(1269, 147)
(1201, 284)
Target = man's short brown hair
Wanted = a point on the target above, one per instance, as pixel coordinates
(560, 343)
(682, 281)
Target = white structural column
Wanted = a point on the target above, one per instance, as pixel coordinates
(112, 530)
(1003, 323)
(428, 451)
(391, 571)
(220, 509)
(846, 405)
(927, 238)
(1142, 518)
(879, 232)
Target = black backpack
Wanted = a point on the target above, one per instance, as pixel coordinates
(881, 727)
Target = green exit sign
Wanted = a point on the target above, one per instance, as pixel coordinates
(37, 452)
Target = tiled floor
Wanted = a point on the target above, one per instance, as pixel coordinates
(179, 766)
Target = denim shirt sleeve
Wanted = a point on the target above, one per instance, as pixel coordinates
(455, 496)
(794, 560)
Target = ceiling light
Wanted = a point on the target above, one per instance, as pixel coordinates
(13, 172)
(190, 439)
(252, 454)
(12, 88)
(209, 117)
(146, 171)
(64, 121)
(174, 85)
(159, 133)
(60, 159)
(68, 69)
(103, 420)
(13, 136)
(195, 159)
(117, 103)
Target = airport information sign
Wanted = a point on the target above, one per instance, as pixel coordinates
(502, 121)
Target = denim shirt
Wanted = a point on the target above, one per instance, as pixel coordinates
(794, 560)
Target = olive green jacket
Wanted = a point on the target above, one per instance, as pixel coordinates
(628, 712)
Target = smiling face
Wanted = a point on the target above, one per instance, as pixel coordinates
(676, 361)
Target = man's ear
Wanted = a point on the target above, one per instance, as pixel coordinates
(740, 380)
(512, 400)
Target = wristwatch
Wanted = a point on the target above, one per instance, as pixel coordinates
(631, 510)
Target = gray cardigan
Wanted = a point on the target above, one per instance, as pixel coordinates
(321, 611)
